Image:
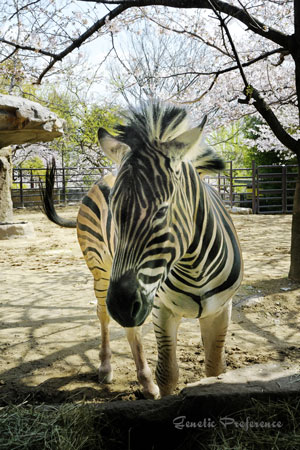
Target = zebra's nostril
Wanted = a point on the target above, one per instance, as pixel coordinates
(135, 308)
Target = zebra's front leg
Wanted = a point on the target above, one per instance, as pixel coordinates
(166, 326)
(213, 332)
(105, 370)
(144, 375)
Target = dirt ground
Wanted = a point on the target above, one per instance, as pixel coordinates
(50, 335)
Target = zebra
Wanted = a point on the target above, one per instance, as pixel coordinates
(158, 238)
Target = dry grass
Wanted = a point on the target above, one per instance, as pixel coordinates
(246, 437)
(64, 428)
(76, 427)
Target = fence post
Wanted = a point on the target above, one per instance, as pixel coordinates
(31, 180)
(254, 209)
(21, 188)
(284, 189)
(231, 185)
(63, 185)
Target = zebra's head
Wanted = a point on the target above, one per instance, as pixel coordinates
(149, 150)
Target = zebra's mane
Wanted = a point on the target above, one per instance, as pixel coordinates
(152, 123)
(156, 122)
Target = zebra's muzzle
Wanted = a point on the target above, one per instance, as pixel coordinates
(125, 301)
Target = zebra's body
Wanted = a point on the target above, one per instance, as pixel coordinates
(158, 236)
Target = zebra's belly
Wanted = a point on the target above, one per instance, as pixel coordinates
(179, 303)
(195, 305)
(214, 304)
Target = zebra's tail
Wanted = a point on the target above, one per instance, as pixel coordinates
(48, 203)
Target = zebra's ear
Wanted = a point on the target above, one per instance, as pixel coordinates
(111, 146)
(186, 145)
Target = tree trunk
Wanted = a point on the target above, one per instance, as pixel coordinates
(294, 273)
(6, 206)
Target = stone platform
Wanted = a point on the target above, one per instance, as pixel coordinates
(16, 230)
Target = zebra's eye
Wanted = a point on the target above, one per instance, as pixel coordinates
(161, 213)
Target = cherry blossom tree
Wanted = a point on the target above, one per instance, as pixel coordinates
(253, 48)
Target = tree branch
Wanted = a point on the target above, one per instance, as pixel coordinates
(23, 7)
(296, 52)
(81, 39)
(224, 26)
(259, 103)
(239, 14)
(229, 69)
(198, 99)
(188, 33)
(28, 48)
(274, 124)
(9, 56)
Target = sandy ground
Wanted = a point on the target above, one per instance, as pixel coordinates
(50, 335)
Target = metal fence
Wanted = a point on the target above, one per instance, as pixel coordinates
(264, 189)
(70, 185)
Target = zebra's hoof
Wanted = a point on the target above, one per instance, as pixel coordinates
(105, 376)
(151, 394)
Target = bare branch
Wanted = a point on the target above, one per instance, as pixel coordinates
(259, 103)
(224, 26)
(273, 122)
(9, 56)
(28, 48)
(229, 69)
(187, 33)
(239, 14)
(23, 7)
(196, 100)
(81, 39)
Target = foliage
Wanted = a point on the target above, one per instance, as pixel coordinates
(85, 136)
(11, 73)
(79, 146)
(33, 174)
(229, 142)
(33, 163)
(252, 134)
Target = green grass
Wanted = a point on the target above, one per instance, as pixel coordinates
(76, 427)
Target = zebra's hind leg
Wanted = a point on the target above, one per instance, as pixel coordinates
(144, 375)
(213, 332)
(105, 370)
(166, 326)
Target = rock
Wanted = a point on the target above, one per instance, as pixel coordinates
(269, 378)
(23, 121)
(228, 391)
(249, 301)
(6, 205)
(240, 210)
(16, 230)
